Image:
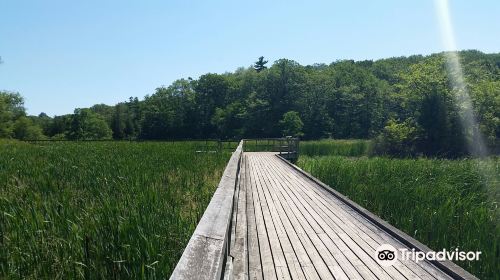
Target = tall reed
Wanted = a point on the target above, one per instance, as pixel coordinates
(101, 209)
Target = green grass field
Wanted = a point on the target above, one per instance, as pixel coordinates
(101, 209)
(442, 203)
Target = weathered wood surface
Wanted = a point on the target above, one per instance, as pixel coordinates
(294, 227)
(269, 219)
(205, 253)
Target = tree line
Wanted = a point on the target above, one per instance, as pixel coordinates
(405, 103)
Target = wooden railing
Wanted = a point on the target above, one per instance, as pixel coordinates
(205, 254)
(212, 144)
(216, 145)
(287, 147)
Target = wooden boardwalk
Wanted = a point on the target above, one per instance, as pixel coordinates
(270, 220)
(288, 227)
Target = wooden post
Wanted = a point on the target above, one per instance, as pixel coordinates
(289, 146)
(296, 148)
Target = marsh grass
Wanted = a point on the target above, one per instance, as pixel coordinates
(350, 148)
(442, 203)
(100, 209)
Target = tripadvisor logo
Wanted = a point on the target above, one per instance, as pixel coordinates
(387, 255)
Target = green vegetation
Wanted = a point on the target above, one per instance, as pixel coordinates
(86, 124)
(442, 203)
(434, 126)
(100, 209)
(350, 148)
(291, 124)
(407, 103)
(13, 120)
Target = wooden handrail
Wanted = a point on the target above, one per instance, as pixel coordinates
(291, 144)
(287, 147)
(204, 256)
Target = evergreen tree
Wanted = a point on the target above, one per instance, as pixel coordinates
(260, 64)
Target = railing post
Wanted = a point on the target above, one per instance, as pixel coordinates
(288, 144)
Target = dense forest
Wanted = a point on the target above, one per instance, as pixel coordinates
(405, 103)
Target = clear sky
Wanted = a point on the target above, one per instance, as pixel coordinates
(62, 54)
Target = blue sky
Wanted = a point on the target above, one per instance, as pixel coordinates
(61, 55)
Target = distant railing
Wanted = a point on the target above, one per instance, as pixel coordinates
(216, 145)
(200, 145)
(287, 147)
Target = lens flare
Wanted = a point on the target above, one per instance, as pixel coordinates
(475, 140)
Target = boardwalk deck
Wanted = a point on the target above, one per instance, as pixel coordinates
(270, 220)
(290, 227)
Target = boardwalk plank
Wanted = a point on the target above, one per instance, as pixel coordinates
(291, 259)
(268, 268)
(303, 235)
(277, 252)
(297, 247)
(254, 260)
(325, 254)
